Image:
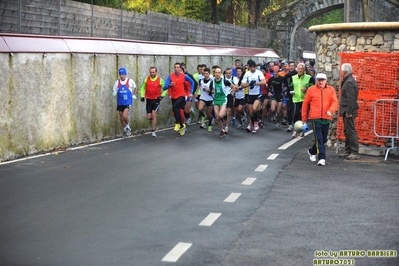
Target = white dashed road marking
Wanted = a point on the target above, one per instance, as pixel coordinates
(176, 252)
(210, 219)
(233, 197)
(273, 156)
(248, 181)
(261, 168)
(291, 142)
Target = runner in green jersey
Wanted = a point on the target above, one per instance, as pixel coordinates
(219, 98)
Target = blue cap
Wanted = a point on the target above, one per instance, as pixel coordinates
(122, 71)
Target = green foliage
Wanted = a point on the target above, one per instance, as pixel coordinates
(197, 10)
(200, 9)
(107, 3)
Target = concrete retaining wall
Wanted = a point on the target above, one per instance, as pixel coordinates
(50, 100)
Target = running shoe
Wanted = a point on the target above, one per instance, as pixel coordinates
(248, 129)
(202, 119)
(256, 127)
(128, 132)
(284, 122)
(209, 128)
(290, 128)
(294, 135)
(261, 125)
(277, 126)
(222, 134)
(233, 121)
(321, 162)
(254, 131)
(188, 121)
(203, 125)
(302, 134)
(312, 157)
(177, 127)
(240, 126)
(153, 134)
(182, 130)
(226, 130)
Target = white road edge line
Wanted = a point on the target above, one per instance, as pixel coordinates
(232, 197)
(261, 168)
(77, 148)
(272, 156)
(249, 181)
(210, 219)
(175, 254)
(291, 142)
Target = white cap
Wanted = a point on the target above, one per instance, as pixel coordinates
(321, 76)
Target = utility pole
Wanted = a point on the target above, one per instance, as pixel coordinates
(366, 10)
(347, 11)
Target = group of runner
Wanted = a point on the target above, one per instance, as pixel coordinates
(230, 97)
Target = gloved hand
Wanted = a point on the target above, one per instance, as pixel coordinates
(142, 99)
(134, 97)
(114, 93)
(252, 84)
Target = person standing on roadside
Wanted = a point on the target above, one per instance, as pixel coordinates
(125, 91)
(348, 109)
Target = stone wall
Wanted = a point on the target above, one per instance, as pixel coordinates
(71, 18)
(351, 37)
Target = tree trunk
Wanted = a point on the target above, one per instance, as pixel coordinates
(258, 12)
(230, 12)
(214, 12)
(366, 10)
(252, 13)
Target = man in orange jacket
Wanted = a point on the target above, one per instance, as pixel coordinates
(318, 106)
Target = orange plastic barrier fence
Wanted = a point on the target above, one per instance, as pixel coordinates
(377, 78)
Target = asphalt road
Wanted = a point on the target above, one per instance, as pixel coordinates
(197, 200)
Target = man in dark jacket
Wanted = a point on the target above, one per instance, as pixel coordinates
(349, 110)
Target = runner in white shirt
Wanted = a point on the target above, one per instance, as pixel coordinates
(205, 99)
(239, 99)
(253, 79)
(229, 91)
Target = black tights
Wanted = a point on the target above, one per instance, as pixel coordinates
(177, 105)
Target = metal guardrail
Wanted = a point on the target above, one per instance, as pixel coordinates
(386, 121)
